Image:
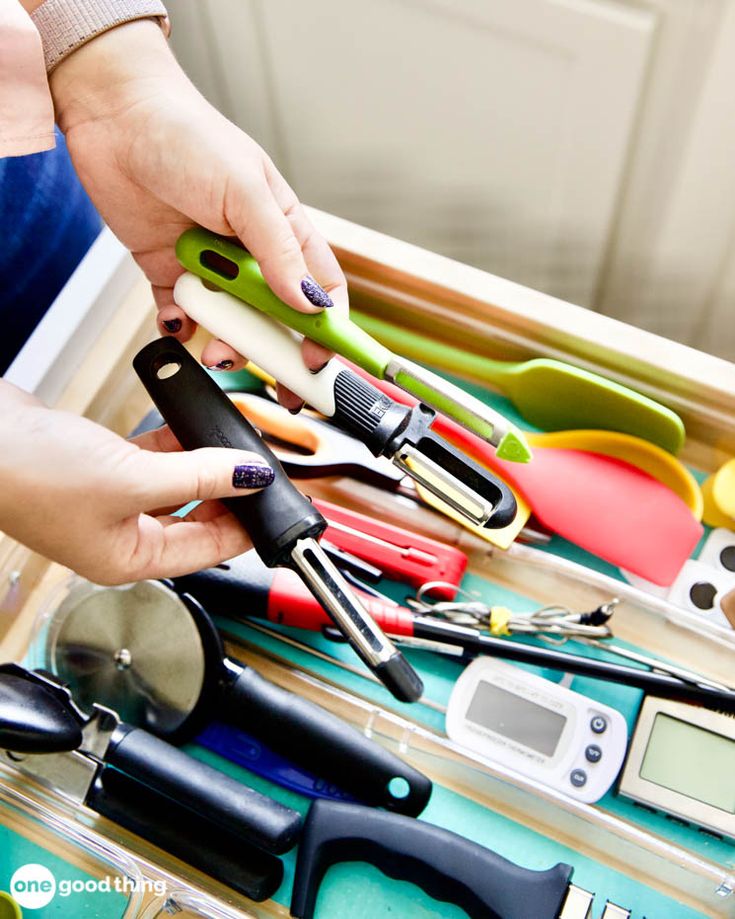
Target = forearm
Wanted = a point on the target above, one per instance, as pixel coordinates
(105, 75)
(18, 413)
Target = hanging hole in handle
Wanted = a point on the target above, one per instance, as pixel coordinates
(399, 788)
(219, 264)
(727, 557)
(702, 594)
(167, 370)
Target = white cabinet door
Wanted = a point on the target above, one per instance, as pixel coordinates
(494, 131)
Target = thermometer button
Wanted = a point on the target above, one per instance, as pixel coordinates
(593, 754)
(578, 778)
(598, 724)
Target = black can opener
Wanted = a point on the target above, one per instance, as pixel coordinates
(143, 784)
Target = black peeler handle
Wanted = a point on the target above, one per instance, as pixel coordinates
(187, 835)
(227, 803)
(445, 865)
(201, 415)
(323, 743)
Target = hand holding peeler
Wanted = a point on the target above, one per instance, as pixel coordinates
(224, 263)
(387, 428)
(281, 521)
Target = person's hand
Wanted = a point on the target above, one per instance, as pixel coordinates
(156, 158)
(84, 497)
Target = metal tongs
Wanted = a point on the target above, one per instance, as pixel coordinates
(401, 433)
(144, 784)
(223, 262)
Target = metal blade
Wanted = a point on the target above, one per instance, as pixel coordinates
(135, 649)
(465, 409)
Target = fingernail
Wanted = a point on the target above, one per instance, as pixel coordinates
(171, 325)
(315, 293)
(319, 369)
(295, 411)
(223, 365)
(252, 475)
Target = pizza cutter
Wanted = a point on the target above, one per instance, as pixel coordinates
(157, 659)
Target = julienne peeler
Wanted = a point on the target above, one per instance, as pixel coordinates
(154, 790)
(282, 523)
(223, 262)
(402, 434)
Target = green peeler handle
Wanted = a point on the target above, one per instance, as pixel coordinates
(237, 271)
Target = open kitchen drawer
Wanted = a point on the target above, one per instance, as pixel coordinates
(639, 860)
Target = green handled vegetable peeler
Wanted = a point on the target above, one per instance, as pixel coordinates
(224, 263)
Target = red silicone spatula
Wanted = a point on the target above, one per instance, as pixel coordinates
(604, 505)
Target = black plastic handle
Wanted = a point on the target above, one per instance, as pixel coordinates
(322, 743)
(445, 865)
(187, 835)
(226, 802)
(35, 718)
(201, 415)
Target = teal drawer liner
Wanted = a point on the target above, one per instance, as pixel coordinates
(346, 885)
(16, 850)
(358, 890)
(379, 897)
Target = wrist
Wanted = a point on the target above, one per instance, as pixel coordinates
(111, 72)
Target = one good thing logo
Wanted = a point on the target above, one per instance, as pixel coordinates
(33, 886)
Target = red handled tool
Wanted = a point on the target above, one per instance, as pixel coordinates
(400, 554)
(244, 588)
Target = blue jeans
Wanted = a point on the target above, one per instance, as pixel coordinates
(47, 223)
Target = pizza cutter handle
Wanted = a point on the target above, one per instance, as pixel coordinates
(323, 743)
(187, 835)
(227, 803)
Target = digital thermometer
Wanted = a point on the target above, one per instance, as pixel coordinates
(537, 728)
(682, 761)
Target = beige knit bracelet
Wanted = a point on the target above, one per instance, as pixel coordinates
(65, 25)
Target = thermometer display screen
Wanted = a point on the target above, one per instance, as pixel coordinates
(691, 761)
(518, 719)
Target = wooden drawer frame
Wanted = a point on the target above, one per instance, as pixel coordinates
(504, 319)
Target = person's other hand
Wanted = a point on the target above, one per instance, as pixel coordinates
(156, 158)
(101, 505)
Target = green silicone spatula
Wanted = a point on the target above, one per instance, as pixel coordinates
(548, 393)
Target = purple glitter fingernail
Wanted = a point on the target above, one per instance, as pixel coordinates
(315, 293)
(172, 325)
(223, 365)
(252, 475)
